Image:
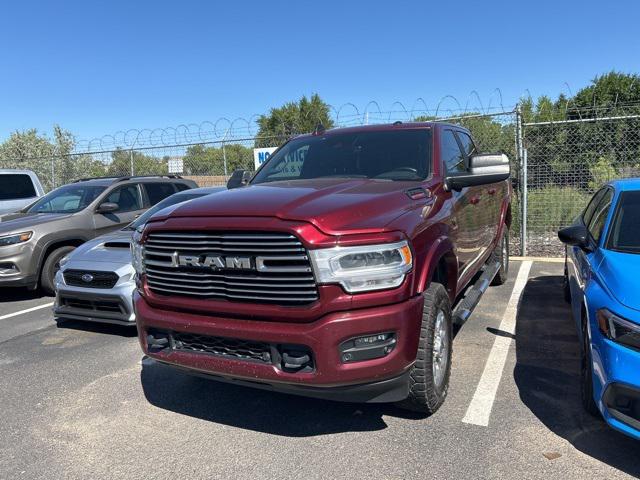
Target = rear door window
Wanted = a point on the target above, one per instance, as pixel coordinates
(157, 192)
(16, 186)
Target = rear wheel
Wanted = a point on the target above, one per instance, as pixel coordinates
(51, 267)
(429, 380)
(586, 374)
(501, 254)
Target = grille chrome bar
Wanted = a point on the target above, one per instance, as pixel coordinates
(280, 270)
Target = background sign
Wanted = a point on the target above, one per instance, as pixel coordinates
(260, 155)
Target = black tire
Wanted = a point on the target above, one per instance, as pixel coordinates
(50, 267)
(586, 374)
(501, 254)
(566, 289)
(427, 391)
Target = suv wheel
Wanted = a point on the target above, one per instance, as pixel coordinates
(586, 374)
(429, 380)
(51, 267)
(501, 254)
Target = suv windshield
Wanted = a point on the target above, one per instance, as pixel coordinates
(624, 235)
(68, 199)
(167, 202)
(387, 155)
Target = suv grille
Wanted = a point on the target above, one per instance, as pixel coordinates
(249, 267)
(90, 279)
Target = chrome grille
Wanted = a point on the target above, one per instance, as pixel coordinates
(280, 271)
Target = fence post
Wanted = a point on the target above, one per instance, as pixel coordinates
(131, 161)
(522, 160)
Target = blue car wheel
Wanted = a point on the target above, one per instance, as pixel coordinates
(586, 374)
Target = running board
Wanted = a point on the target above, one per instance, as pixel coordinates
(465, 306)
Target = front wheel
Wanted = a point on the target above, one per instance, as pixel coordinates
(51, 267)
(586, 374)
(429, 380)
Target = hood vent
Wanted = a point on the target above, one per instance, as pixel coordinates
(117, 245)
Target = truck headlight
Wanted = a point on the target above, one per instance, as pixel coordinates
(15, 238)
(137, 252)
(365, 268)
(619, 329)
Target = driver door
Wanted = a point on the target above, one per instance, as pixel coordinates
(130, 206)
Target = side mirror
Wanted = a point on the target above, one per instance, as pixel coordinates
(239, 178)
(483, 169)
(107, 207)
(577, 236)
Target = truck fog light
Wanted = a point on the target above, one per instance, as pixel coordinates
(367, 347)
(157, 341)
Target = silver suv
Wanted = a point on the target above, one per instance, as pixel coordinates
(33, 240)
(96, 281)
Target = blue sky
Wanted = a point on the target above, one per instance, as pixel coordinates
(96, 67)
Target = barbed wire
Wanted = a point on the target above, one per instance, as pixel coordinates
(346, 114)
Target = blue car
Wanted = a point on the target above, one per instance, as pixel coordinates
(602, 283)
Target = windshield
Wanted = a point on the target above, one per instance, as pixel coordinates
(625, 229)
(68, 199)
(386, 155)
(167, 202)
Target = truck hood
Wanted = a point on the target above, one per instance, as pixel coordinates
(335, 206)
(14, 222)
(112, 248)
(619, 272)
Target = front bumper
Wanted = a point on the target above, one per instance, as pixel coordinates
(617, 384)
(377, 380)
(18, 265)
(112, 305)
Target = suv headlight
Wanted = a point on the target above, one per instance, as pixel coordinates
(619, 329)
(137, 252)
(15, 238)
(365, 268)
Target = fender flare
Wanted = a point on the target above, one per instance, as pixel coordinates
(443, 246)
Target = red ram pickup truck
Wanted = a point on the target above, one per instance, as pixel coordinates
(337, 271)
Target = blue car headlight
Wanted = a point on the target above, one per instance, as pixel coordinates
(618, 329)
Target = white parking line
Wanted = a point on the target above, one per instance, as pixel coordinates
(32, 309)
(481, 404)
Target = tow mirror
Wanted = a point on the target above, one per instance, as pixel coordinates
(483, 169)
(577, 236)
(107, 207)
(239, 178)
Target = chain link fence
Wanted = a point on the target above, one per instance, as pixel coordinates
(567, 161)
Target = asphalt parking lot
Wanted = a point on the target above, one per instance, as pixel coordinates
(80, 401)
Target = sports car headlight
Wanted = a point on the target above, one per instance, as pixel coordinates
(15, 238)
(365, 268)
(619, 329)
(137, 252)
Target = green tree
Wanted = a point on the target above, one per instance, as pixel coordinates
(203, 160)
(121, 161)
(292, 118)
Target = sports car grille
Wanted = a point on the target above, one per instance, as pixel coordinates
(248, 267)
(90, 279)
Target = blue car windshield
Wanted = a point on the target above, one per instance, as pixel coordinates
(624, 233)
(68, 199)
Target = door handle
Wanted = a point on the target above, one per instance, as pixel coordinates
(474, 200)
(492, 191)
